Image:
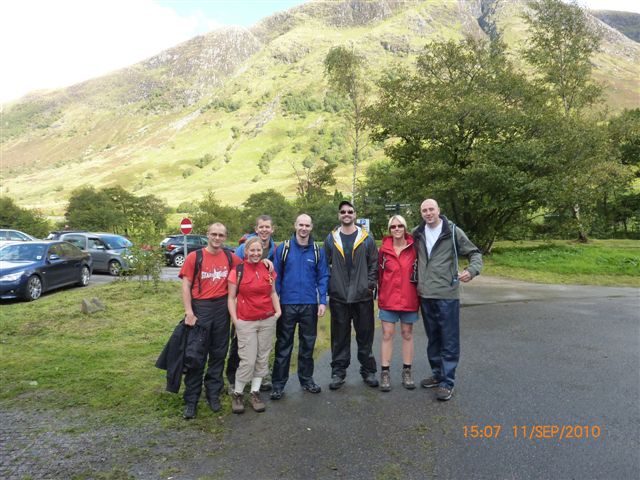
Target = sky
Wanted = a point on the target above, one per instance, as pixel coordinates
(47, 44)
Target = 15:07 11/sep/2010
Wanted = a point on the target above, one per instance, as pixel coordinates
(535, 432)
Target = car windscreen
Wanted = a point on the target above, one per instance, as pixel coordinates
(115, 242)
(24, 252)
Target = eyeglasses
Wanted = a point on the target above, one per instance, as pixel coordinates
(393, 227)
(343, 212)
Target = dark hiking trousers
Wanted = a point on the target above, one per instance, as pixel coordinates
(306, 316)
(341, 316)
(213, 315)
(442, 324)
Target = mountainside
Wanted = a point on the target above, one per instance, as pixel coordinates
(627, 23)
(234, 110)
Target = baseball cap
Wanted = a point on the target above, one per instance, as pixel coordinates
(345, 202)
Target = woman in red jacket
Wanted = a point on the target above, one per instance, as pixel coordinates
(398, 298)
(254, 309)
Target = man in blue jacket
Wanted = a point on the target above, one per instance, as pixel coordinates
(301, 281)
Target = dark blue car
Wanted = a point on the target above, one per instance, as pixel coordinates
(28, 269)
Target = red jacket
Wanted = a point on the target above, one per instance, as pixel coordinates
(395, 290)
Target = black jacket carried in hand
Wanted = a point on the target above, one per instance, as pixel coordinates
(185, 345)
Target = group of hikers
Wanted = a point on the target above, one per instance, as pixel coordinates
(236, 302)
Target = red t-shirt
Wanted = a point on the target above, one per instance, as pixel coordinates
(213, 274)
(254, 298)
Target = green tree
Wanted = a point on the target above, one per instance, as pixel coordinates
(560, 47)
(272, 203)
(313, 197)
(209, 210)
(91, 209)
(347, 75)
(29, 221)
(116, 210)
(467, 129)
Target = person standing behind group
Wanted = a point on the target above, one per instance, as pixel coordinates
(439, 242)
(264, 231)
(397, 299)
(301, 283)
(353, 261)
(204, 296)
(254, 309)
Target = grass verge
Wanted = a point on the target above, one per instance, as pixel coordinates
(55, 357)
(599, 262)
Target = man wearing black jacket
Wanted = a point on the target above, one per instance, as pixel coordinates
(353, 261)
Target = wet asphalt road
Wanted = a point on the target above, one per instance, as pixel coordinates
(99, 278)
(533, 356)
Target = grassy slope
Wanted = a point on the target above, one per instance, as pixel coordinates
(93, 142)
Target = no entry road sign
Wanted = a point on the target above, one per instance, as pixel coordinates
(186, 226)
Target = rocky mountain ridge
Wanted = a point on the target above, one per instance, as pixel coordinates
(235, 94)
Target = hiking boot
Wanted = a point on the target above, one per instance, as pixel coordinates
(312, 387)
(237, 402)
(336, 382)
(385, 381)
(276, 394)
(189, 411)
(266, 385)
(214, 403)
(430, 382)
(444, 393)
(371, 380)
(407, 379)
(256, 402)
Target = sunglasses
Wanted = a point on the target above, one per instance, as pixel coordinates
(343, 212)
(393, 227)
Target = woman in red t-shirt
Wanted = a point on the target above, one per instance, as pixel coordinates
(254, 308)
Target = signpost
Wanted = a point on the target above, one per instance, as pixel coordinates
(390, 207)
(186, 226)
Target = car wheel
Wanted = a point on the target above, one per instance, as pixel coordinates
(85, 275)
(114, 268)
(178, 260)
(33, 289)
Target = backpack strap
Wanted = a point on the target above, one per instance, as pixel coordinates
(286, 246)
(227, 252)
(196, 270)
(239, 272)
(455, 253)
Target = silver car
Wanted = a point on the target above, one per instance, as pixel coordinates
(7, 235)
(108, 251)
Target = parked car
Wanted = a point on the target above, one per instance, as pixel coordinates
(27, 269)
(109, 251)
(8, 235)
(174, 247)
(55, 235)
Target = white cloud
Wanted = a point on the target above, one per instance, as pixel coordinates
(620, 5)
(51, 44)
(48, 44)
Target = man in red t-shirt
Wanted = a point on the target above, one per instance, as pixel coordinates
(205, 303)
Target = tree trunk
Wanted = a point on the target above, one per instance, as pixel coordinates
(582, 235)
